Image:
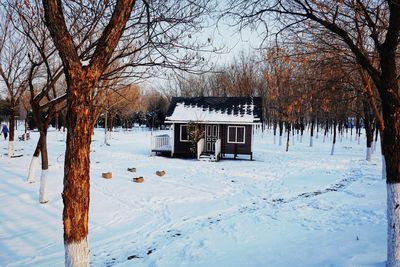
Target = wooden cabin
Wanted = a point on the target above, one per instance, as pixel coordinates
(210, 128)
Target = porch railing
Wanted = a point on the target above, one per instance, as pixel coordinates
(200, 147)
(217, 149)
(161, 143)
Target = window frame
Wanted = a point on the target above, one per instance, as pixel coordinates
(187, 132)
(236, 132)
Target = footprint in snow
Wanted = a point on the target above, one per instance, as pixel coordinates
(133, 257)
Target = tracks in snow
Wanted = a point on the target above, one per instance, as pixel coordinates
(339, 186)
(139, 252)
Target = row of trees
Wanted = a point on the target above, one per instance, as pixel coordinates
(299, 88)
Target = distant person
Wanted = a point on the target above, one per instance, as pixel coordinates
(4, 131)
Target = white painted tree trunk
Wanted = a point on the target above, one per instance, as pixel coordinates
(274, 139)
(109, 135)
(333, 149)
(369, 153)
(311, 141)
(43, 187)
(374, 149)
(393, 217)
(280, 140)
(316, 135)
(383, 168)
(11, 149)
(32, 169)
(323, 140)
(77, 254)
(301, 138)
(105, 128)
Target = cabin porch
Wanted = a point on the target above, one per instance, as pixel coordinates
(161, 144)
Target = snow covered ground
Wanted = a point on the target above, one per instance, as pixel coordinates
(298, 208)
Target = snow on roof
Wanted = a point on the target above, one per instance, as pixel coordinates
(215, 109)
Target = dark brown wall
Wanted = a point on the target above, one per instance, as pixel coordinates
(228, 148)
(180, 148)
(183, 148)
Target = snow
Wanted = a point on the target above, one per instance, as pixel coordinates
(298, 208)
(200, 114)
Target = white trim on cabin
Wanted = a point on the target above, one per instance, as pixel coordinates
(173, 140)
(252, 139)
(236, 142)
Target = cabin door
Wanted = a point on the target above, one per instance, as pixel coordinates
(211, 136)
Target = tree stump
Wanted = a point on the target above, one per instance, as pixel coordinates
(160, 173)
(106, 175)
(138, 179)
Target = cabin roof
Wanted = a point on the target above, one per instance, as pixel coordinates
(241, 110)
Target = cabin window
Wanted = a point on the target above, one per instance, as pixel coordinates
(184, 133)
(236, 134)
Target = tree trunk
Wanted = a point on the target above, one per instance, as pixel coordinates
(312, 132)
(288, 136)
(369, 131)
(326, 130)
(105, 128)
(11, 149)
(391, 151)
(334, 137)
(393, 216)
(81, 81)
(34, 162)
(25, 129)
(275, 126)
(280, 132)
(64, 120)
(45, 166)
(76, 173)
(292, 126)
(357, 127)
(351, 131)
(301, 131)
(376, 136)
(340, 130)
(56, 121)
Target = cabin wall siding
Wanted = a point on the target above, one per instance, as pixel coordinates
(183, 148)
(230, 148)
(180, 148)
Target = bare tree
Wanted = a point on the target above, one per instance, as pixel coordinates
(45, 80)
(151, 37)
(13, 66)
